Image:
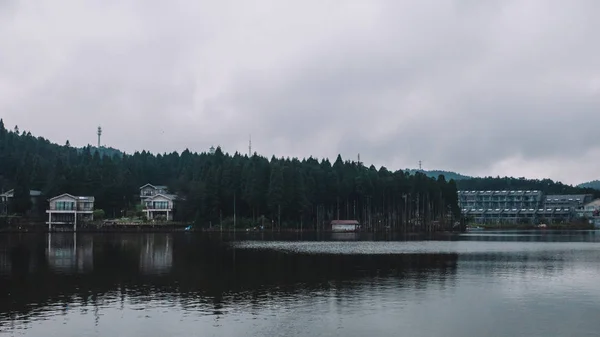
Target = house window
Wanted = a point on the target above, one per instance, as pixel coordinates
(65, 205)
(86, 206)
(161, 205)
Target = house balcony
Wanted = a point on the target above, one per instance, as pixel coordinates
(55, 209)
(158, 207)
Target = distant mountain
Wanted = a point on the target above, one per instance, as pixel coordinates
(595, 184)
(435, 173)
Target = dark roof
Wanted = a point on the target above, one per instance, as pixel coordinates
(498, 192)
(344, 222)
(158, 187)
(86, 198)
(560, 197)
(32, 193)
(168, 196)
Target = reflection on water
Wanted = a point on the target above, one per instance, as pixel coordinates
(65, 254)
(156, 255)
(5, 263)
(489, 284)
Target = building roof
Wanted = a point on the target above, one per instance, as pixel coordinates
(567, 197)
(156, 187)
(82, 198)
(11, 193)
(166, 196)
(503, 192)
(344, 222)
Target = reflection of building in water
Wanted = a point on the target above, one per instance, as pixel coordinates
(65, 253)
(5, 263)
(156, 254)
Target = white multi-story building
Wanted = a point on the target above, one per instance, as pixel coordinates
(570, 201)
(6, 198)
(591, 211)
(518, 206)
(157, 202)
(68, 209)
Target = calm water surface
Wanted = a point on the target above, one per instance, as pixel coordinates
(538, 283)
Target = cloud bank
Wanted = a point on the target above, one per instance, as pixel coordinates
(478, 87)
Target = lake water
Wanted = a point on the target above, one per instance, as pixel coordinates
(537, 283)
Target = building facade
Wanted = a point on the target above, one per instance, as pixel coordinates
(157, 203)
(344, 225)
(7, 197)
(68, 209)
(519, 206)
(149, 190)
(570, 201)
(591, 212)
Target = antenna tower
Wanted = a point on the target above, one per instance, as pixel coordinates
(250, 147)
(420, 168)
(359, 159)
(99, 135)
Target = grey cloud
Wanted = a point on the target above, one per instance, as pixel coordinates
(462, 85)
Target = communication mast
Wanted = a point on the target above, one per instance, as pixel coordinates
(420, 168)
(250, 147)
(99, 135)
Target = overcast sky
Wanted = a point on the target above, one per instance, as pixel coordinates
(479, 87)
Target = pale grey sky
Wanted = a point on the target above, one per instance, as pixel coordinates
(499, 87)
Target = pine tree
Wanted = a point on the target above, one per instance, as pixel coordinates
(275, 194)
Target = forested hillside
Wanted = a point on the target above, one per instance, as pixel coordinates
(548, 186)
(436, 173)
(595, 184)
(285, 191)
(104, 151)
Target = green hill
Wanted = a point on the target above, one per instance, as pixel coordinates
(435, 173)
(102, 151)
(595, 184)
(549, 186)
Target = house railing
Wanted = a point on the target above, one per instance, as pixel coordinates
(159, 208)
(72, 209)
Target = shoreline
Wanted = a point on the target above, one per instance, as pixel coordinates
(178, 227)
(577, 226)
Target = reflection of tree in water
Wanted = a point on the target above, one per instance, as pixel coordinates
(5, 263)
(199, 274)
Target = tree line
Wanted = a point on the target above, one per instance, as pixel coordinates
(215, 186)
